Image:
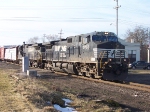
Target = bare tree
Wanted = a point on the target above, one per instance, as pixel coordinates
(32, 40)
(52, 37)
(43, 39)
(46, 38)
(139, 35)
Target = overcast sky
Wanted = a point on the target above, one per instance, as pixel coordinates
(24, 19)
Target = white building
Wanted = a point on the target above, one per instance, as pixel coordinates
(132, 49)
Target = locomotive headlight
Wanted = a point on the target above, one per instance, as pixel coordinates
(110, 59)
(124, 59)
(110, 66)
(106, 33)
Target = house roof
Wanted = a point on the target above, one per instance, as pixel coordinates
(128, 43)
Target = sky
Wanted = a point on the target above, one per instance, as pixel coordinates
(21, 20)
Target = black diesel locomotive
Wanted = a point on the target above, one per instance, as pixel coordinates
(96, 54)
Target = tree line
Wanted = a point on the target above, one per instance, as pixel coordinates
(45, 38)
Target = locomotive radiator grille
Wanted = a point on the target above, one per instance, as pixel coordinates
(109, 53)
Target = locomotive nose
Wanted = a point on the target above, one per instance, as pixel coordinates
(115, 71)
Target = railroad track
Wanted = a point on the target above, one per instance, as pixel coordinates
(131, 85)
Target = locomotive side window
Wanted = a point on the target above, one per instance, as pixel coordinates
(69, 40)
(79, 38)
(88, 38)
(42, 49)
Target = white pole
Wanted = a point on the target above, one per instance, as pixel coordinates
(25, 60)
(149, 45)
(25, 64)
(148, 55)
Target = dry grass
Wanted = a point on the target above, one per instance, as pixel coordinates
(9, 99)
(32, 95)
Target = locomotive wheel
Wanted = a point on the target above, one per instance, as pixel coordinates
(71, 69)
(84, 74)
(92, 76)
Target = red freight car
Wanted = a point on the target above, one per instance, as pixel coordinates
(3, 50)
(2, 53)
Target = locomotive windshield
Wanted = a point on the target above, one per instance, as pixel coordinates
(102, 37)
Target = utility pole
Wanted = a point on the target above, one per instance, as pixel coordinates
(60, 33)
(44, 35)
(148, 58)
(148, 34)
(117, 7)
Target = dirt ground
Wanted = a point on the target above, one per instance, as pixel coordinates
(139, 76)
(32, 94)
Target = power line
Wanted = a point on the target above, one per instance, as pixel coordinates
(75, 20)
(70, 7)
(54, 7)
(133, 23)
(135, 11)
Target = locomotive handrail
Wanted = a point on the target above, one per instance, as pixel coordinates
(101, 58)
(40, 58)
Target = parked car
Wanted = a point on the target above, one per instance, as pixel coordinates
(147, 67)
(139, 64)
